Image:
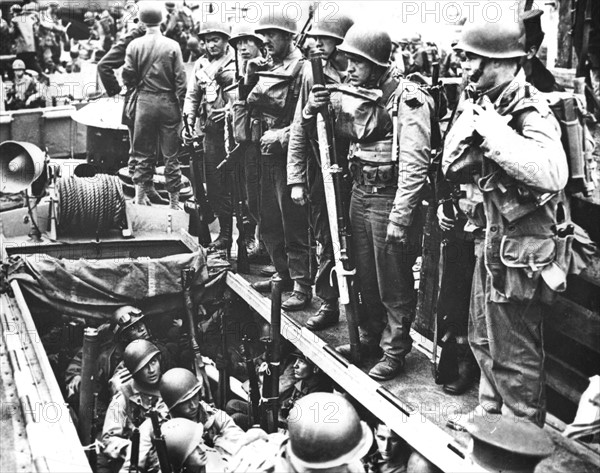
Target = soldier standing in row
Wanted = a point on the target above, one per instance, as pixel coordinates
(205, 102)
(304, 175)
(154, 66)
(284, 225)
(388, 189)
(511, 203)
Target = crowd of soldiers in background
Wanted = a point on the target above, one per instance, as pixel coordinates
(43, 44)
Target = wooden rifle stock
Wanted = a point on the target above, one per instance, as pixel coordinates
(134, 457)
(196, 152)
(338, 216)
(252, 381)
(187, 276)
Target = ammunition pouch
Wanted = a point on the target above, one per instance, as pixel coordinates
(369, 174)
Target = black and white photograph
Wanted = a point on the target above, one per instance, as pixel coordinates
(334, 236)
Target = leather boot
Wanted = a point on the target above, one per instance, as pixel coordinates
(174, 201)
(154, 196)
(387, 368)
(141, 196)
(328, 315)
(223, 242)
(468, 371)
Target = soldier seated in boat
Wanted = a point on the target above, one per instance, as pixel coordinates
(131, 404)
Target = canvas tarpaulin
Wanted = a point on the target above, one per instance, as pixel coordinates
(95, 288)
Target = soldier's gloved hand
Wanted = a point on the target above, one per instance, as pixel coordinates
(396, 234)
(319, 97)
(116, 447)
(445, 223)
(73, 386)
(298, 194)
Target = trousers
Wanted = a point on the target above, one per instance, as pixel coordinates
(507, 341)
(384, 272)
(157, 128)
(218, 181)
(283, 224)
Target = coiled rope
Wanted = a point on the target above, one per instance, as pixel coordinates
(90, 205)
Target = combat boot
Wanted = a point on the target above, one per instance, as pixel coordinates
(467, 371)
(223, 242)
(328, 315)
(141, 196)
(387, 368)
(154, 196)
(364, 350)
(174, 201)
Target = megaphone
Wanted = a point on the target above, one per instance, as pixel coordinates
(21, 164)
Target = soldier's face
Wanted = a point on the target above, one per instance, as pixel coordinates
(19, 73)
(150, 373)
(359, 70)
(196, 461)
(388, 443)
(247, 48)
(326, 46)
(276, 42)
(136, 332)
(215, 44)
(302, 369)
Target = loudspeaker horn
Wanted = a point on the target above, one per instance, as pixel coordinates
(21, 164)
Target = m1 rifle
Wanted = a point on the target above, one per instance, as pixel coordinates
(187, 276)
(222, 362)
(203, 213)
(159, 443)
(337, 212)
(134, 457)
(252, 382)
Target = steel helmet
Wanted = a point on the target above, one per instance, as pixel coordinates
(368, 42)
(212, 26)
(150, 13)
(335, 27)
(415, 38)
(138, 354)
(89, 17)
(244, 30)
(126, 316)
(18, 65)
(276, 19)
(500, 40)
(192, 42)
(181, 438)
(331, 437)
(178, 385)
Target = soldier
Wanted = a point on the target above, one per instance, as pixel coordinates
(392, 452)
(187, 451)
(205, 102)
(23, 29)
(181, 392)
(25, 90)
(154, 66)
(304, 174)
(388, 190)
(512, 194)
(284, 225)
(134, 399)
(325, 435)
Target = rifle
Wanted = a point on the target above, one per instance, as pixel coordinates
(252, 381)
(187, 276)
(93, 452)
(222, 362)
(159, 443)
(306, 27)
(338, 216)
(134, 457)
(205, 214)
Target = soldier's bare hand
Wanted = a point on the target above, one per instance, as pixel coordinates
(270, 141)
(396, 234)
(486, 120)
(116, 447)
(318, 98)
(73, 386)
(298, 194)
(445, 223)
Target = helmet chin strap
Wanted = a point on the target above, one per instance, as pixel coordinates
(479, 72)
